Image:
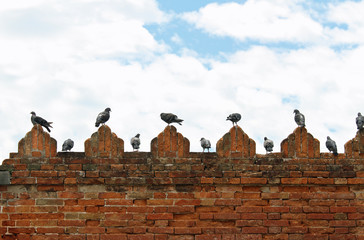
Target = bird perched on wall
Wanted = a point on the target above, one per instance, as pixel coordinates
(299, 118)
(268, 145)
(170, 118)
(205, 144)
(234, 118)
(331, 145)
(103, 117)
(67, 145)
(38, 120)
(135, 142)
(360, 121)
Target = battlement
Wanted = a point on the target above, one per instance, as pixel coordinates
(171, 193)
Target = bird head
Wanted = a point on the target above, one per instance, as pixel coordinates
(202, 139)
(138, 135)
(296, 111)
(265, 138)
(359, 114)
(33, 113)
(107, 110)
(328, 138)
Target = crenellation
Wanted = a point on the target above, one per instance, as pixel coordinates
(172, 193)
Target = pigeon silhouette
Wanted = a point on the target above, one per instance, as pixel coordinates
(38, 120)
(268, 144)
(67, 145)
(299, 118)
(103, 117)
(234, 118)
(331, 145)
(135, 142)
(205, 144)
(170, 118)
(360, 121)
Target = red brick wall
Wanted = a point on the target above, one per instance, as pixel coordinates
(171, 193)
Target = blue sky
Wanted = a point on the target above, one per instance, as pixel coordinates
(202, 60)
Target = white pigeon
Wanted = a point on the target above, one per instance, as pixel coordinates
(205, 144)
(135, 142)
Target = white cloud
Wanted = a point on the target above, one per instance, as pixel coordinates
(93, 61)
(258, 20)
(350, 15)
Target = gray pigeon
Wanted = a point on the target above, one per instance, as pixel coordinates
(38, 120)
(268, 144)
(331, 145)
(299, 118)
(103, 117)
(360, 121)
(170, 118)
(205, 144)
(234, 117)
(135, 142)
(67, 145)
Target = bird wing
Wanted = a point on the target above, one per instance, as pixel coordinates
(134, 140)
(102, 117)
(268, 144)
(41, 121)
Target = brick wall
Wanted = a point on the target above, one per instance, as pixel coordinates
(105, 193)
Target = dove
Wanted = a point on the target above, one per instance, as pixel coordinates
(135, 142)
(299, 118)
(268, 144)
(205, 144)
(67, 145)
(103, 117)
(38, 120)
(170, 118)
(331, 145)
(360, 121)
(234, 118)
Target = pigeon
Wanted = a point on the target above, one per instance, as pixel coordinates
(205, 144)
(103, 117)
(299, 118)
(360, 121)
(135, 142)
(170, 118)
(38, 120)
(268, 144)
(67, 145)
(331, 145)
(234, 117)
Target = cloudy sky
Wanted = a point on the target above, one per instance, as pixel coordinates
(202, 60)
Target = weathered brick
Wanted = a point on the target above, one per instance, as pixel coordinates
(159, 216)
(254, 230)
(170, 194)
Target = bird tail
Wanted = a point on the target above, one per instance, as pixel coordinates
(47, 128)
(49, 124)
(335, 154)
(179, 121)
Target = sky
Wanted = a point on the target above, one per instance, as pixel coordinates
(201, 60)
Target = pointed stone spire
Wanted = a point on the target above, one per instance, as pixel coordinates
(37, 143)
(300, 144)
(170, 143)
(104, 143)
(236, 143)
(355, 147)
